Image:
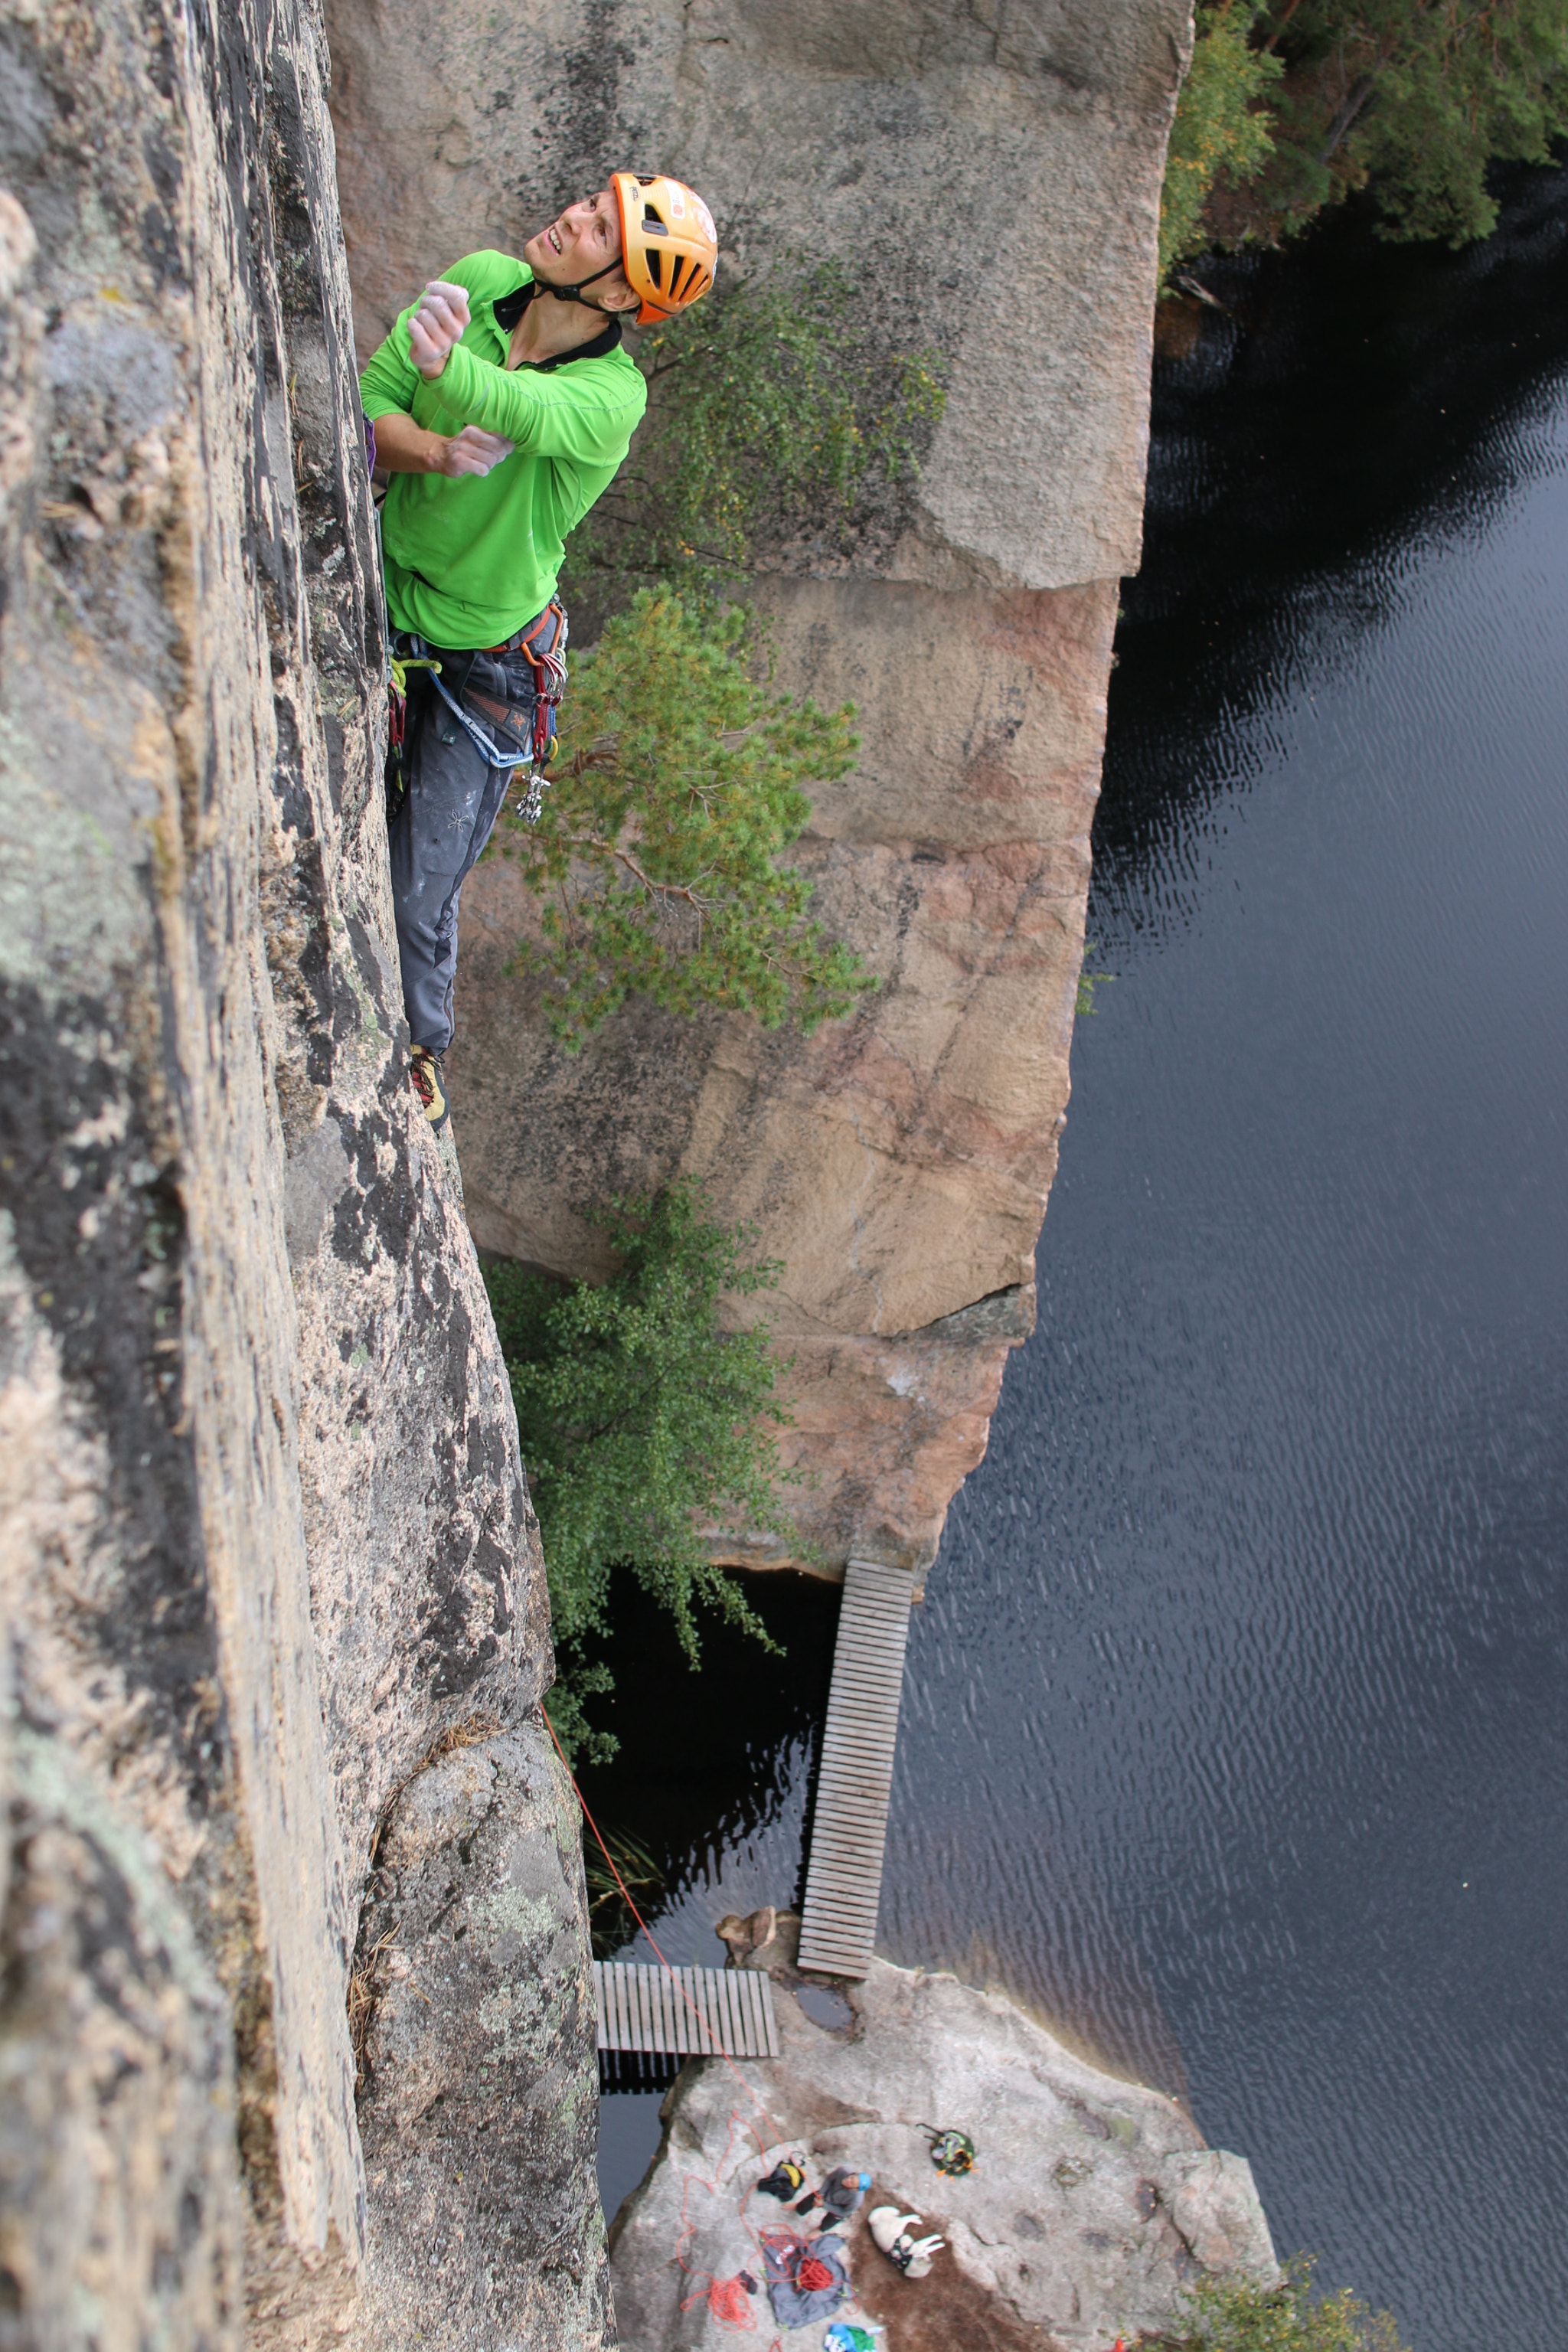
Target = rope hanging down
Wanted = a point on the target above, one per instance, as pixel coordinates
(719, 2051)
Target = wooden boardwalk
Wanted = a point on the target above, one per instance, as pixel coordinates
(844, 1881)
(641, 2009)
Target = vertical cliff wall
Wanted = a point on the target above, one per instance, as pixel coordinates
(989, 176)
(267, 1560)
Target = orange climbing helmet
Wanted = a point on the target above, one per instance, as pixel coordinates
(668, 246)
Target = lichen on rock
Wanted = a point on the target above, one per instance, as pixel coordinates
(480, 2111)
(266, 1537)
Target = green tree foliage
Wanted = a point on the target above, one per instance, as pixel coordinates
(771, 406)
(642, 1420)
(1237, 2316)
(1293, 106)
(681, 779)
(1417, 96)
(1221, 133)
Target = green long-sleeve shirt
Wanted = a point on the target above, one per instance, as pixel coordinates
(468, 561)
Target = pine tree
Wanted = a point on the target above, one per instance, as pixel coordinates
(1418, 97)
(655, 858)
(1221, 133)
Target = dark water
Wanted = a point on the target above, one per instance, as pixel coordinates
(1234, 1731)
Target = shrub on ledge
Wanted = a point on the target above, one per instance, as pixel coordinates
(641, 1420)
(1238, 2315)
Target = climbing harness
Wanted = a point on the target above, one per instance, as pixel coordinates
(549, 667)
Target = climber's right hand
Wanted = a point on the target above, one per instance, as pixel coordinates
(440, 321)
(473, 451)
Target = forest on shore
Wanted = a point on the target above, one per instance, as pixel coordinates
(1295, 105)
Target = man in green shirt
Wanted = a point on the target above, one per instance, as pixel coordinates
(502, 404)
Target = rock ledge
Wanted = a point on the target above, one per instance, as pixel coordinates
(1093, 2201)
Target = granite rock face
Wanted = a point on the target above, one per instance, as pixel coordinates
(480, 2058)
(265, 1539)
(1092, 2203)
(990, 179)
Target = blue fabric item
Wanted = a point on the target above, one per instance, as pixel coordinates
(453, 799)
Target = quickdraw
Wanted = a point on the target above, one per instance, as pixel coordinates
(549, 674)
(397, 701)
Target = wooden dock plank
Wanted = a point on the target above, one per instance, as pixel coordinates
(688, 2012)
(860, 1741)
(639, 2007)
(751, 1982)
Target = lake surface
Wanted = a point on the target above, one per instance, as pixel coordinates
(1234, 1731)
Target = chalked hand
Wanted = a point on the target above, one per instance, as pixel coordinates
(475, 451)
(438, 323)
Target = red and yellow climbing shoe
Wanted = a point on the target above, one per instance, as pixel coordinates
(430, 1086)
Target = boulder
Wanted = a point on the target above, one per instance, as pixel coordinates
(1092, 2204)
(479, 2106)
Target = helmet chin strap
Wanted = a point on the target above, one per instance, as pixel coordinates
(576, 293)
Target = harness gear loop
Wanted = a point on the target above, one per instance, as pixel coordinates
(397, 697)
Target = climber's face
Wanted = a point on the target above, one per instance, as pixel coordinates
(585, 240)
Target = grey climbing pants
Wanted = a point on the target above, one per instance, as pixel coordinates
(452, 800)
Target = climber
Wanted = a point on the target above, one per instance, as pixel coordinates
(501, 405)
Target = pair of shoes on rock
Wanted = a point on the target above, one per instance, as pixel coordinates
(429, 1082)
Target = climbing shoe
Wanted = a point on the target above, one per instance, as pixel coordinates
(430, 1086)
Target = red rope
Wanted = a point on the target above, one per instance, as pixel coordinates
(688, 2227)
(717, 2050)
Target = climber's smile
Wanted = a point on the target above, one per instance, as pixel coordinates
(580, 242)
